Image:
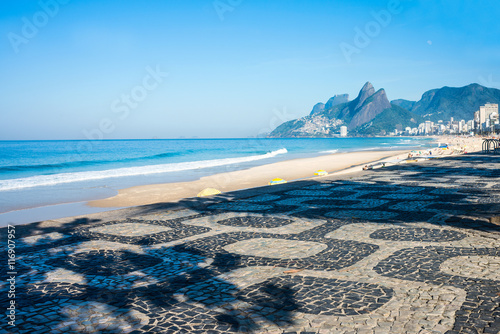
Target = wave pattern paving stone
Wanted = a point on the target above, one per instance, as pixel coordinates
(402, 249)
(241, 207)
(360, 214)
(417, 234)
(337, 254)
(410, 197)
(105, 262)
(140, 232)
(415, 206)
(81, 317)
(315, 295)
(480, 310)
(258, 222)
(483, 267)
(262, 198)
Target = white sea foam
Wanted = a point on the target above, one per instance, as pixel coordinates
(49, 180)
(329, 151)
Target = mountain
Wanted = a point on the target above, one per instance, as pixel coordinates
(405, 104)
(388, 120)
(371, 113)
(318, 108)
(337, 99)
(366, 110)
(359, 115)
(333, 101)
(364, 93)
(459, 103)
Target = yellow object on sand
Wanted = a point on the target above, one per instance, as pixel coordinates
(208, 192)
(321, 172)
(276, 181)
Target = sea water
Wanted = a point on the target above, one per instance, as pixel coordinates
(40, 173)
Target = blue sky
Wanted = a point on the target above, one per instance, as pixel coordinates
(72, 69)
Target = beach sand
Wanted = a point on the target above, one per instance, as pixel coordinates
(339, 163)
(242, 179)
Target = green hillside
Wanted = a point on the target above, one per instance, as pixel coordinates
(388, 120)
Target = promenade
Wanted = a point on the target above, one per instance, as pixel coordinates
(401, 249)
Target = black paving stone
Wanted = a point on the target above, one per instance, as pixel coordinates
(257, 222)
(105, 262)
(315, 295)
(338, 253)
(423, 264)
(417, 234)
(178, 231)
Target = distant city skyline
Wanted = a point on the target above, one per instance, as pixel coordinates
(225, 68)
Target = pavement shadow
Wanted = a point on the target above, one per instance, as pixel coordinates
(186, 297)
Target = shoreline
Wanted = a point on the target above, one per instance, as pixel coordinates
(258, 176)
(245, 179)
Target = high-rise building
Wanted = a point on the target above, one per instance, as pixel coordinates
(343, 131)
(461, 126)
(484, 113)
(428, 127)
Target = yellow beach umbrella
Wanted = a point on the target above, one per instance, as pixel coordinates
(208, 192)
(276, 181)
(321, 172)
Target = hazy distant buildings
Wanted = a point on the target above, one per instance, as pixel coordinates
(428, 127)
(486, 118)
(461, 126)
(343, 131)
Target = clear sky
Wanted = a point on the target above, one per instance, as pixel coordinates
(225, 68)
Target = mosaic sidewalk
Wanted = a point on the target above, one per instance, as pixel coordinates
(403, 249)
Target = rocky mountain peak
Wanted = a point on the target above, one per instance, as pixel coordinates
(337, 99)
(371, 107)
(318, 108)
(364, 93)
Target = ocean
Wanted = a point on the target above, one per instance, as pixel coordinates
(37, 174)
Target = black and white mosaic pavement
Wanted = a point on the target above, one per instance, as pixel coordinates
(308, 250)
(140, 232)
(481, 309)
(417, 234)
(313, 295)
(105, 262)
(401, 249)
(252, 221)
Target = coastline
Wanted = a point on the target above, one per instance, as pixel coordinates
(254, 177)
(289, 170)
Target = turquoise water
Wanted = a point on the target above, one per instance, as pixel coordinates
(39, 173)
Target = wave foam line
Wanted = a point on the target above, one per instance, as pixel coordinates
(50, 180)
(329, 151)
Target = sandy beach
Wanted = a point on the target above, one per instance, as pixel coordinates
(288, 170)
(254, 177)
